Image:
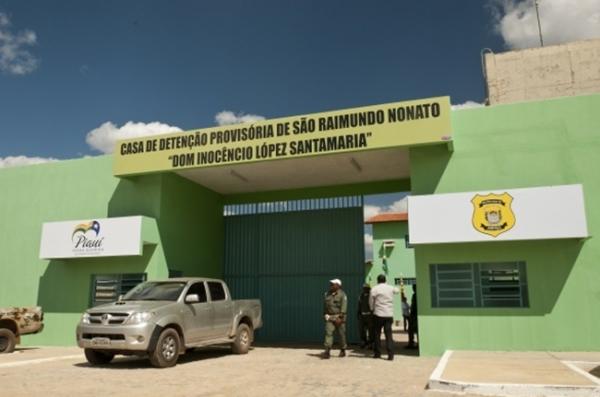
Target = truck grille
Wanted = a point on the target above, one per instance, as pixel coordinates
(108, 318)
(109, 336)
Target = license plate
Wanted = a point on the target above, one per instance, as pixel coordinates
(100, 341)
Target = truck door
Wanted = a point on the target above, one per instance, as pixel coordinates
(198, 316)
(223, 309)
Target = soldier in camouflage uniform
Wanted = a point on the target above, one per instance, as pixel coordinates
(336, 305)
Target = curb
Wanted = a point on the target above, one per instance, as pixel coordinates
(38, 361)
(437, 383)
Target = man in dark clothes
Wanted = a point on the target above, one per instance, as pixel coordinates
(381, 301)
(365, 317)
(413, 321)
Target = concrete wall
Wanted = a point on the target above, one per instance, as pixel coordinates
(543, 143)
(543, 73)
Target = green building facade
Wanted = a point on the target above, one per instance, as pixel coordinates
(544, 143)
(393, 256)
(80, 189)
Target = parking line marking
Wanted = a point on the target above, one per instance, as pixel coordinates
(580, 371)
(441, 367)
(39, 361)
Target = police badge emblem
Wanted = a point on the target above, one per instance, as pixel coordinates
(492, 213)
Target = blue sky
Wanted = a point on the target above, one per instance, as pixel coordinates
(107, 69)
(182, 62)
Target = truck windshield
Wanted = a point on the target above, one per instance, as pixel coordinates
(153, 291)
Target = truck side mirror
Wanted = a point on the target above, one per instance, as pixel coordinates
(192, 298)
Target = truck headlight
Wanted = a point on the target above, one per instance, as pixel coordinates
(85, 319)
(138, 318)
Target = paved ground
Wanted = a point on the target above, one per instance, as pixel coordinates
(514, 367)
(518, 374)
(278, 371)
(265, 371)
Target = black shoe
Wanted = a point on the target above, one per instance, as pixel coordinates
(390, 358)
(326, 354)
(377, 356)
(343, 353)
(410, 346)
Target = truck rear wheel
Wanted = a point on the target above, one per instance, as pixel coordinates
(167, 348)
(97, 357)
(8, 340)
(243, 339)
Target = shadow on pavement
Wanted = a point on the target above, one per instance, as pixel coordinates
(303, 346)
(356, 351)
(136, 362)
(22, 349)
(398, 349)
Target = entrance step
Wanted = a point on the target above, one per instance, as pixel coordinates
(518, 374)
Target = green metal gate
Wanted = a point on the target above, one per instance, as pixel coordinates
(285, 253)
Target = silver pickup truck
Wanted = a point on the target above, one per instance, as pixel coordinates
(162, 319)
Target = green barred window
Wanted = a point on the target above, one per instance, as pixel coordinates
(106, 288)
(491, 284)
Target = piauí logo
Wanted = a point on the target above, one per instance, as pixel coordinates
(82, 239)
(86, 227)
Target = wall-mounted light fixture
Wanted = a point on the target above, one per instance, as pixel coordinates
(389, 243)
(240, 177)
(355, 164)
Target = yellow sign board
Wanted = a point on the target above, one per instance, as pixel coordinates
(371, 127)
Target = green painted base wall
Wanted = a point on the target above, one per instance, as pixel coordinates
(514, 146)
(560, 315)
(184, 225)
(191, 227)
(400, 260)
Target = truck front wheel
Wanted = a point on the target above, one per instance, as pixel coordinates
(243, 339)
(167, 349)
(8, 340)
(96, 357)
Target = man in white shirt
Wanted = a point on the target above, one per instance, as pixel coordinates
(381, 301)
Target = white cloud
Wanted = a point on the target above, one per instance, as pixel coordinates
(227, 117)
(15, 58)
(562, 21)
(370, 211)
(104, 138)
(400, 205)
(16, 161)
(467, 105)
